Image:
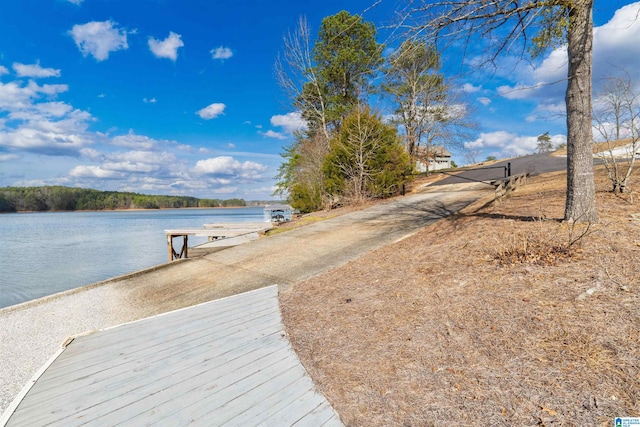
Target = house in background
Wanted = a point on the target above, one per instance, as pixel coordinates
(432, 158)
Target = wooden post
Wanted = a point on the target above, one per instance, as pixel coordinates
(173, 255)
(498, 192)
(510, 185)
(184, 247)
(170, 246)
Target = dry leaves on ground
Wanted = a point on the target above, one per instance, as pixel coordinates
(443, 328)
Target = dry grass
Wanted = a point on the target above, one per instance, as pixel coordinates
(443, 329)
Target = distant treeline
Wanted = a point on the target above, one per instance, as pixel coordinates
(58, 198)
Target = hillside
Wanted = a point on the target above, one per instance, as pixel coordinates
(500, 315)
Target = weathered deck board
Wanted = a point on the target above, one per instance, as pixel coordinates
(231, 225)
(189, 333)
(226, 362)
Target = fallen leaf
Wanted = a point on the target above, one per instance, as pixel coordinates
(548, 411)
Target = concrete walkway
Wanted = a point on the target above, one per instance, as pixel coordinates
(32, 332)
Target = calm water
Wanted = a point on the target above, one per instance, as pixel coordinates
(45, 253)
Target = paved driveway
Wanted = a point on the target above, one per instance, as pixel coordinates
(534, 164)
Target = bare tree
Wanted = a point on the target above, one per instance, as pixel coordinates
(471, 155)
(447, 126)
(296, 75)
(427, 107)
(617, 121)
(504, 22)
(414, 82)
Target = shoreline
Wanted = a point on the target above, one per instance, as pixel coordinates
(137, 209)
(62, 294)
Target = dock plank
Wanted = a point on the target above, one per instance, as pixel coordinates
(116, 345)
(180, 334)
(226, 362)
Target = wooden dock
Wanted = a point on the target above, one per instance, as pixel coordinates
(213, 232)
(223, 363)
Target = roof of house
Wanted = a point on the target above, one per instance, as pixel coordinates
(278, 207)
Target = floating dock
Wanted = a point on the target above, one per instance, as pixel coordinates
(232, 233)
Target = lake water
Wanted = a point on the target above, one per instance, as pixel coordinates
(49, 252)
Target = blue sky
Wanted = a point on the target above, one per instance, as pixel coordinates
(179, 97)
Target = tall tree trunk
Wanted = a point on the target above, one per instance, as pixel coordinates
(581, 196)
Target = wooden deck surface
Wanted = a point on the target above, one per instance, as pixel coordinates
(226, 362)
(211, 232)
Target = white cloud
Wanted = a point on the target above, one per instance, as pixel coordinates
(83, 171)
(50, 90)
(469, 88)
(520, 91)
(35, 124)
(221, 53)
(34, 70)
(99, 38)
(76, 2)
(131, 140)
(149, 101)
(613, 49)
(8, 157)
(41, 141)
(290, 122)
(212, 111)
(15, 97)
(91, 153)
(553, 68)
(42, 110)
(132, 167)
(227, 166)
(167, 48)
(507, 144)
(142, 156)
(273, 134)
(3, 70)
(53, 109)
(616, 41)
(484, 100)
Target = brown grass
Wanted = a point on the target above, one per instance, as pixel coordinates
(443, 329)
